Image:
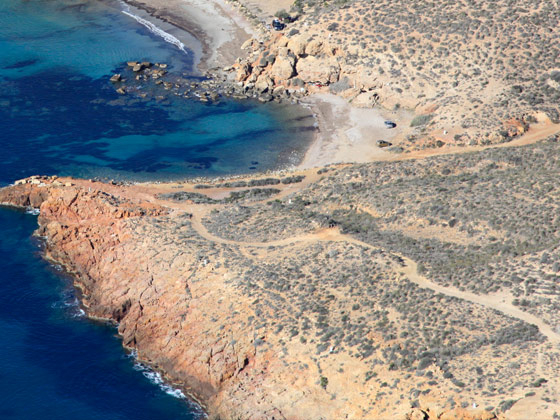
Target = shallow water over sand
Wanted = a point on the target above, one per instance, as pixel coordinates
(59, 114)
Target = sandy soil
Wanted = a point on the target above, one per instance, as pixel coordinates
(216, 24)
(347, 134)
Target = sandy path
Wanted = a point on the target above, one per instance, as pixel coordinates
(348, 134)
(492, 302)
(536, 133)
(410, 270)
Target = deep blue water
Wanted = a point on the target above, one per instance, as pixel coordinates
(59, 114)
(55, 363)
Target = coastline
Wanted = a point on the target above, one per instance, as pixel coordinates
(177, 390)
(192, 323)
(345, 133)
(215, 24)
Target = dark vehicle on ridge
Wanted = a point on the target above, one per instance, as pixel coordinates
(277, 25)
(383, 143)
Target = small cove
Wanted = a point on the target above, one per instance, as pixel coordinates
(59, 114)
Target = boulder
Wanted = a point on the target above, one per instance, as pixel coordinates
(263, 83)
(320, 70)
(279, 91)
(283, 51)
(266, 59)
(282, 42)
(314, 47)
(247, 44)
(297, 45)
(243, 72)
(417, 414)
(265, 98)
(329, 49)
(253, 77)
(115, 78)
(131, 63)
(283, 68)
(138, 67)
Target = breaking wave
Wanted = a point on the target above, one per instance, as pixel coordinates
(156, 379)
(157, 31)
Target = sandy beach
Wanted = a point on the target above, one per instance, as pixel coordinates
(345, 133)
(217, 25)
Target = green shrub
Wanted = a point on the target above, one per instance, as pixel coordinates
(421, 120)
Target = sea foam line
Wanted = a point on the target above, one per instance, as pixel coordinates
(159, 32)
(156, 379)
(33, 211)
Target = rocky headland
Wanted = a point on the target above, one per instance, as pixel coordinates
(360, 291)
(408, 289)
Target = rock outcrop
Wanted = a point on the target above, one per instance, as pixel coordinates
(151, 270)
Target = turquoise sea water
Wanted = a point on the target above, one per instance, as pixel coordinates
(59, 114)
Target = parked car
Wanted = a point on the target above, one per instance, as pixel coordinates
(276, 24)
(390, 124)
(383, 143)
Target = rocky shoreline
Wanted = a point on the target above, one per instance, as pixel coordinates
(136, 76)
(86, 230)
(177, 307)
(203, 280)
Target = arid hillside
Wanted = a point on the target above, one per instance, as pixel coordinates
(474, 72)
(414, 289)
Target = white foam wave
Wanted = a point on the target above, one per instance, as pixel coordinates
(159, 32)
(71, 304)
(31, 210)
(78, 313)
(156, 379)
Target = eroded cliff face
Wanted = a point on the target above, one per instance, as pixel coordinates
(214, 314)
(159, 310)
